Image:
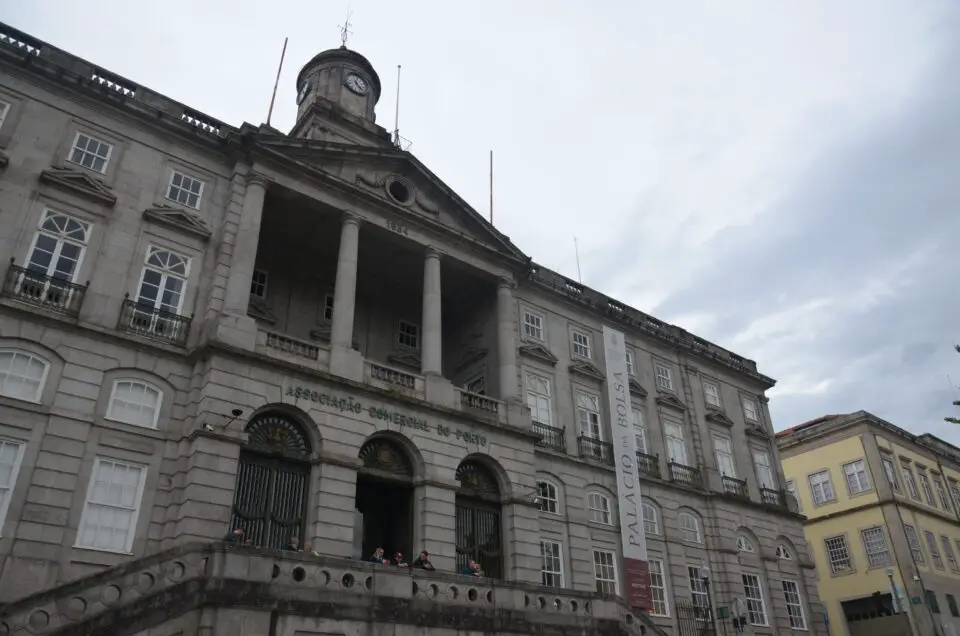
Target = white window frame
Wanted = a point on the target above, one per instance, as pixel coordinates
(926, 487)
(589, 420)
(651, 523)
(134, 518)
(890, 469)
(599, 506)
(640, 429)
(674, 440)
(745, 544)
(258, 284)
(6, 490)
(911, 482)
(856, 477)
(784, 553)
(913, 540)
(658, 569)
(723, 453)
(664, 376)
(934, 549)
(84, 152)
(794, 605)
(408, 329)
(825, 482)
(756, 605)
(711, 394)
(599, 567)
(328, 307)
(699, 596)
(875, 546)
(4, 111)
(941, 492)
(538, 398)
(751, 410)
(147, 386)
(549, 496)
(764, 468)
(839, 556)
(631, 364)
(948, 553)
(164, 276)
(687, 531)
(581, 343)
(556, 555)
(180, 188)
(533, 325)
(7, 373)
(61, 240)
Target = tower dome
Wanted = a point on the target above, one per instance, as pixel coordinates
(342, 78)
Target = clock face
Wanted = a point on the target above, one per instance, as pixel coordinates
(356, 83)
(304, 91)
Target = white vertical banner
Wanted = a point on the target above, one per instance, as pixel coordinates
(624, 439)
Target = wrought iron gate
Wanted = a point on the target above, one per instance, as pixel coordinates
(270, 499)
(694, 620)
(478, 536)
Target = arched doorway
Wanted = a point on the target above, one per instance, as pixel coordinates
(385, 497)
(272, 482)
(478, 518)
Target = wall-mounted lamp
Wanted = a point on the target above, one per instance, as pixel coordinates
(235, 413)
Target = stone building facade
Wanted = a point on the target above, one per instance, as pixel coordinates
(310, 336)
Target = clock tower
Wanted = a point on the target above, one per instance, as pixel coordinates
(336, 94)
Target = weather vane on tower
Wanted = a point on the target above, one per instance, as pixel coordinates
(345, 31)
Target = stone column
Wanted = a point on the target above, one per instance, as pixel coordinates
(245, 243)
(345, 290)
(506, 341)
(431, 350)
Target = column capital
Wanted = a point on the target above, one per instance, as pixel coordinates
(432, 252)
(258, 179)
(506, 282)
(351, 218)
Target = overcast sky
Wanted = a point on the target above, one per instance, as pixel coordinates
(782, 178)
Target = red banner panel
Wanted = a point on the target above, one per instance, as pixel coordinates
(637, 578)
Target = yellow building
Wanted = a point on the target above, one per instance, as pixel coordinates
(882, 509)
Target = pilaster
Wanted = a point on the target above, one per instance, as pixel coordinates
(523, 541)
(333, 508)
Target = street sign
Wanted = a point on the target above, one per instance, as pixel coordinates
(723, 612)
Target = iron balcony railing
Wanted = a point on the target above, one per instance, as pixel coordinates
(147, 321)
(596, 450)
(774, 498)
(686, 475)
(735, 487)
(648, 465)
(551, 437)
(48, 292)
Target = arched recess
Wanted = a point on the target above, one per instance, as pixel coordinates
(479, 512)
(270, 501)
(385, 496)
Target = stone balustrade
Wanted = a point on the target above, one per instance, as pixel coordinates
(146, 592)
(392, 379)
(481, 405)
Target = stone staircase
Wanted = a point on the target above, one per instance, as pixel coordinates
(184, 590)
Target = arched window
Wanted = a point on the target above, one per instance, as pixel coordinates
(58, 246)
(22, 375)
(272, 482)
(384, 497)
(745, 544)
(135, 402)
(783, 552)
(478, 519)
(651, 521)
(690, 528)
(599, 506)
(547, 496)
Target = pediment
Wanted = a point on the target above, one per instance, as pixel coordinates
(258, 310)
(586, 369)
(671, 400)
(539, 353)
(637, 389)
(408, 359)
(178, 219)
(79, 183)
(718, 417)
(374, 172)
